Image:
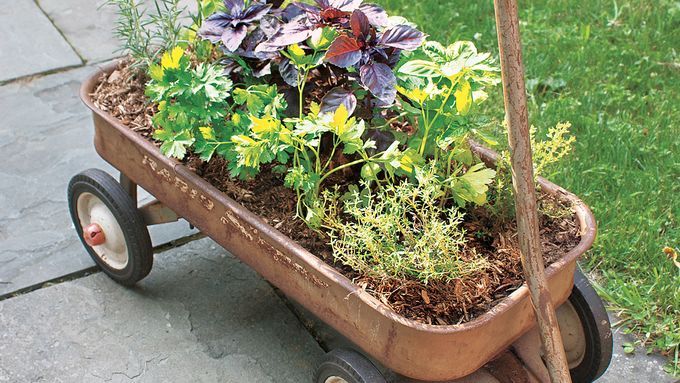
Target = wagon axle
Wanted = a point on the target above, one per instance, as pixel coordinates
(94, 235)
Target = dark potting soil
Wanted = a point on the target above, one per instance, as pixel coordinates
(122, 95)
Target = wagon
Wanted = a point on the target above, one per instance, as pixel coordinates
(113, 230)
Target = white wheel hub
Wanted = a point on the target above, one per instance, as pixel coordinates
(335, 379)
(573, 335)
(91, 210)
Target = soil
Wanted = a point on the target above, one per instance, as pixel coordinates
(122, 94)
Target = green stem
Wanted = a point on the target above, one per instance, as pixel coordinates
(343, 166)
(421, 150)
(448, 175)
(335, 147)
(302, 81)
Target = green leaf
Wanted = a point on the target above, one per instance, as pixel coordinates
(176, 146)
(435, 51)
(473, 185)
(322, 38)
(299, 178)
(205, 149)
(240, 96)
(370, 171)
(629, 348)
(156, 72)
(420, 68)
(485, 137)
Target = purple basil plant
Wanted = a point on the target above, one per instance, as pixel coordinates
(231, 27)
(334, 13)
(373, 54)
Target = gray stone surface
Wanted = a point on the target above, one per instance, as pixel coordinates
(46, 138)
(635, 368)
(30, 44)
(201, 316)
(88, 25)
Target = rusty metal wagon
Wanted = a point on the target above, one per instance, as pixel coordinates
(113, 229)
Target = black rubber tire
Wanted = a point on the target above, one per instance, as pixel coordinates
(348, 365)
(596, 327)
(124, 209)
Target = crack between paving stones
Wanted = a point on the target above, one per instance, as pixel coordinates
(181, 241)
(34, 76)
(31, 77)
(51, 282)
(92, 270)
(83, 61)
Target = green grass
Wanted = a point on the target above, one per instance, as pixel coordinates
(613, 70)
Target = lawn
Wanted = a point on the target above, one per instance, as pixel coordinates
(613, 70)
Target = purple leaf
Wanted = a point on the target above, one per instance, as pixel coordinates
(288, 72)
(359, 24)
(344, 52)
(336, 97)
(345, 5)
(296, 31)
(254, 13)
(376, 15)
(211, 30)
(234, 6)
(402, 37)
(307, 7)
(233, 37)
(290, 12)
(219, 19)
(380, 81)
(229, 66)
(393, 58)
(270, 25)
(383, 139)
(250, 44)
(266, 69)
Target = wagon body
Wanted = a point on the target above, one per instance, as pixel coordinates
(413, 349)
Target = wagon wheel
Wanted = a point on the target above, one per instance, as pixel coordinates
(347, 366)
(110, 226)
(586, 331)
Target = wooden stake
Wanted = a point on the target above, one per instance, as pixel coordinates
(516, 115)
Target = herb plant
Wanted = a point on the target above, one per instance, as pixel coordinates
(146, 33)
(400, 231)
(192, 102)
(231, 26)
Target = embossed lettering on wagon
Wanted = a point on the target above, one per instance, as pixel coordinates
(177, 182)
(251, 234)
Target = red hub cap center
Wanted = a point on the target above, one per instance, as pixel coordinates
(94, 235)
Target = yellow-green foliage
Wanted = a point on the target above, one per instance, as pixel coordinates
(400, 231)
(545, 155)
(548, 152)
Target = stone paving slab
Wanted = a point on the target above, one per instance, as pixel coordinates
(30, 44)
(634, 368)
(200, 316)
(46, 138)
(86, 24)
(89, 24)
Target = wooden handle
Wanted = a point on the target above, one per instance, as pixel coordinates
(516, 115)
